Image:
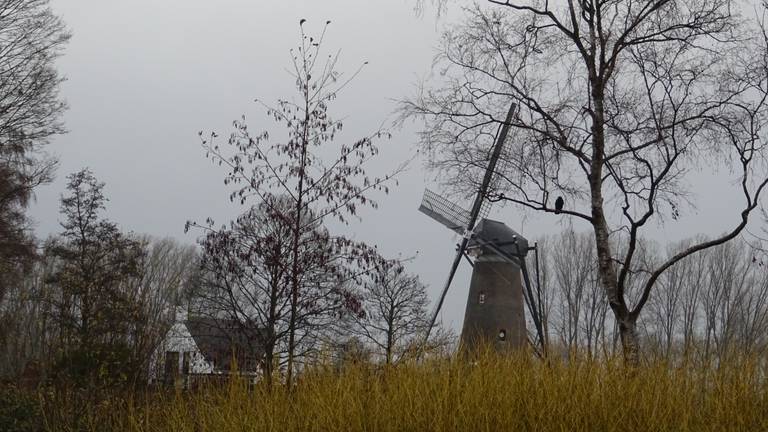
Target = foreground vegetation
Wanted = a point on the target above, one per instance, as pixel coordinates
(492, 394)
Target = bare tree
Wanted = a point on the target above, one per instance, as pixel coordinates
(752, 317)
(576, 308)
(31, 38)
(619, 103)
(665, 309)
(30, 107)
(394, 312)
(728, 282)
(28, 339)
(724, 303)
(709, 306)
(161, 285)
(574, 270)
(17, 242)
(695, 274)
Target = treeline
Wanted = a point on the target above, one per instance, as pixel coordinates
(95, 301)
(706, 307)
(91, 305)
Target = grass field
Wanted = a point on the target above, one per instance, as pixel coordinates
(495, 394)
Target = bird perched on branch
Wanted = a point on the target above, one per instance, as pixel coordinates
(559, 205)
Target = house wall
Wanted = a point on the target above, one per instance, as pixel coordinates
(180, 340)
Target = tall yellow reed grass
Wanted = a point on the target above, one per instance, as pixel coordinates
(491, 394)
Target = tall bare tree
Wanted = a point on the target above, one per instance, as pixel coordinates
(580, 320)
(709, 306)
(31, 38)
(161, 285)
(620, 102)
(318, 186)
(28, 339)
(394, 312)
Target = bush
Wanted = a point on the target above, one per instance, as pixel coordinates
(19, 411)
(101, 366)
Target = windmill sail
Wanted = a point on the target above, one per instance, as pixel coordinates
(446, 217)
(444, 211)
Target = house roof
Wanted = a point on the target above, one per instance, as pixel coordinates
(221, 341)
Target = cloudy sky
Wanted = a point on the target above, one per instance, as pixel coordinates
(143, 77)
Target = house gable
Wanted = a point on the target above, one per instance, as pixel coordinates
(203, 345)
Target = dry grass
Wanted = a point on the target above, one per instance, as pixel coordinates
(491, 395)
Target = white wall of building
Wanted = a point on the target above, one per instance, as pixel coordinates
(180, 340)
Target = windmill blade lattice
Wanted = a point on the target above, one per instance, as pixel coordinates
(453, 216)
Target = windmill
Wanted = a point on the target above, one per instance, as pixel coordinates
(494, 312)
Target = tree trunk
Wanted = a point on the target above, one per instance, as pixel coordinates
(269, 346)
(294, 308)
(269, 359)
(296, 237)
(630, 342)
(606, 269)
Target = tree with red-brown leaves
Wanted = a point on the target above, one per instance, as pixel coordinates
(297, 188)
(246, 279)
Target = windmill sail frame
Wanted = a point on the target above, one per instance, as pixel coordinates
(451, 215)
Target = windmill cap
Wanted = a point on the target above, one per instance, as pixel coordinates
(500, 235)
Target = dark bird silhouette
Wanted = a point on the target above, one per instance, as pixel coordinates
(559, 204)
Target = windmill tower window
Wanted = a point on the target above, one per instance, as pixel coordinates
(502, 335)
(481, 298)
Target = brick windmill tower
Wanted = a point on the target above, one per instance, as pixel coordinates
(500, 287)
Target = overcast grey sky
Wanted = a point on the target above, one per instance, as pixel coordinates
(145, 76)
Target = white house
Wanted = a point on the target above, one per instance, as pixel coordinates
(204, 345)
